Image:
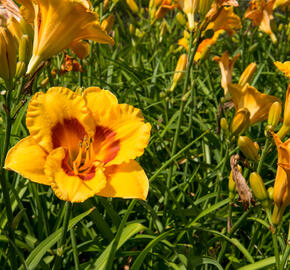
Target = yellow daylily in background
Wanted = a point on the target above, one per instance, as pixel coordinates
(284, 67)
(281, 195)
(255, 102)
(282, 3)
(82, 145)
(8, 9)
(59, 25)
(260, 13)
(226, 66)
(189, 7)
(226, 20)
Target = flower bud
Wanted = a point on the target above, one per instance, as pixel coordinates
(232, 187)
(133, 6)
(274, 114)
(108, 23)
(7, 54)
(247, 74)
(20, 69)
(248, 148)
(132, 29)
(204, 6)
(25, 49)
(180, 18)
(179, 70)
(224, 124)
(270, 191)
(259, 189)
(240, 122)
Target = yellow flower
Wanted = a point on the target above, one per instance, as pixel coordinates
(226, 20)
(282, 3)
(255, 102)
(281, 195)
(8, 9)
(284, 67)
(159, 8)
(82, 145)
(286, 119)
(226, 66)
(260, 13)
(189, 7)
(59, 25)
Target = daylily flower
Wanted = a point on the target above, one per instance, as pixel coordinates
(286, 119)
(282, 3)
(59, 25)
(255, 102)
(159, 8)
(226, 20)
(226, 66)
(70, 64)
(284, 67)
(82, 145)
(189, 7)
(281, 195)
(8, 10)
(260, 13)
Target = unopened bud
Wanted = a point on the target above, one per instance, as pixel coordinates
(259, 189)
(240, 122)
(132, 29)
(204, 6)
(180, 18)
(179, 70)
(270, 191)
(248, 148)
(7, 54)
(232, 187)
(44, 82)
(274, 114)
(20, 69)
(247, 74)
(133, 6)
(224, 124)
(108, 23)
(25, 49)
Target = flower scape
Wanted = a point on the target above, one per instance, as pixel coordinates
(144, 134)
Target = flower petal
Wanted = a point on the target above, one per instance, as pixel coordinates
(70, 187)
(28, 158)
(81, 49)
(58, 118)
(127, 180)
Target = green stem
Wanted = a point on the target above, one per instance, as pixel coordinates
(274, 238)
(60, 247)
(3, 178)
(285, 257)
(191, 53)
(264, 154)
(75, 249)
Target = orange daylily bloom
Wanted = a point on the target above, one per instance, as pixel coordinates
(260, 13)
(255, 102)
(284, 67)
(226, 20)
(8, 9)
(59, 25)
(159, 8)
(226, 66)
(217, 6)
(70, 64)
(83, 145)
(281, 195)
(282, 3)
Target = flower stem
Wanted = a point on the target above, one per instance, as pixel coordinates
(60, 247)
(286, 252)
(191, 53)
(75, 249)
(274, 238)
(3, 176)
(264, 154)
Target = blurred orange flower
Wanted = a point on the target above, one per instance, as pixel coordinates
(226, 66)
(82, 145)
(260, 13)
(255, 102)
(70, 64)
(59, 25)
(284, 67)
(281, 195)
